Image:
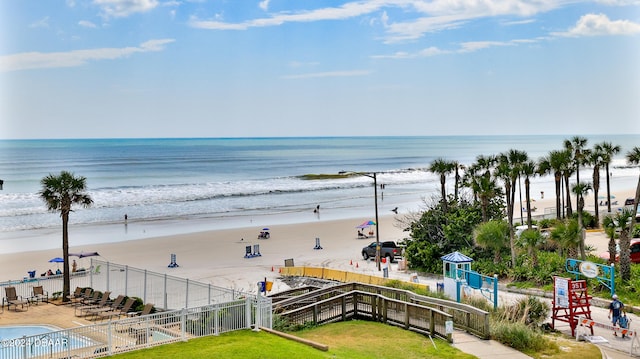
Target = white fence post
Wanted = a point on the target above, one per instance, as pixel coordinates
(186, 295)
(126, 280)
(164, 291)
(144, 298)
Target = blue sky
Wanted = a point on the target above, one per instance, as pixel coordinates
(223, 68)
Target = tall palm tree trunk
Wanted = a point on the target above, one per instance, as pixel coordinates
(66, 277)
(608, 189)
(558, 180)
(568, 195)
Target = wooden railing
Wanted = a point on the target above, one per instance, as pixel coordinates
(369, 306)
(465, 317)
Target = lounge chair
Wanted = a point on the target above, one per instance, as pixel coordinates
(79, 295)
(115, 305)
(86, 308)
(39, 295)
(117, 313)
(92, 298)
(145, 310)
(11, 298)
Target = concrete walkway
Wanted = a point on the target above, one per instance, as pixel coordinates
(484, 349)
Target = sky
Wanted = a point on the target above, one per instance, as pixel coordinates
(274, 68)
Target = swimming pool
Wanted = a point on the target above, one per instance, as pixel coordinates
(20, 340)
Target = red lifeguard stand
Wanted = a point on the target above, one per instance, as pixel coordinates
(570, 301)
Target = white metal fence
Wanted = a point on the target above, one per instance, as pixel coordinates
(164, 291)
(133, 333)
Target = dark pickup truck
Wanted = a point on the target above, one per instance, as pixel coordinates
(388, 249)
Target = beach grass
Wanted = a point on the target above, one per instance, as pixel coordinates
(353, 339)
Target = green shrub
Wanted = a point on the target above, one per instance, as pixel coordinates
(529, 311)
(519, 336)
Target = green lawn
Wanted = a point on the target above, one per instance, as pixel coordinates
(352, 339)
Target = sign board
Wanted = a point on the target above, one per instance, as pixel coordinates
(589, 269)
(561, 292)
(448, 327)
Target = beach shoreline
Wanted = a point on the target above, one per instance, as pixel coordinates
(216, 256)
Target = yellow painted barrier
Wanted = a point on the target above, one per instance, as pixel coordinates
(340, 276)
(334, 274)
(313, 272)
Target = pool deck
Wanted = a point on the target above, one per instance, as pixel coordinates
(61, 316)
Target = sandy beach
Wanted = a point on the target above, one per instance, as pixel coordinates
(217, 257)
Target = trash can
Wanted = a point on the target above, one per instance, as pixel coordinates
(440, 287)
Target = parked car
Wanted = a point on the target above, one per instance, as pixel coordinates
(634, 249)
(388, 249)
(629, 202)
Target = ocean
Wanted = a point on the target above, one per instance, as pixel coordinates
(168, 186)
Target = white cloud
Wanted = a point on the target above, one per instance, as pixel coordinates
(330, 74)
(264, 5)
(42, 23)
(465, 47)
(424, 16)
(346, 11)
(600, 25)
(473, 46)
(39, 60)
(124, 8)
(85, 23)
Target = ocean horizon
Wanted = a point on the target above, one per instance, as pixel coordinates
(178, 185)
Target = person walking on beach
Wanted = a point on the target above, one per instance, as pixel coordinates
(616, 309)
(74, 266)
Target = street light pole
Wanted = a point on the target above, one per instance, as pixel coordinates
(375, 194)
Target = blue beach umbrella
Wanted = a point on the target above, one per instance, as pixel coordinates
(56, 260)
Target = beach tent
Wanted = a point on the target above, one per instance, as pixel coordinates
(84, 254)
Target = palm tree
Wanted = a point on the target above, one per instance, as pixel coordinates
(576, 146)
(580, 189)
(60, 192)
(595, 159)
(622, 222)
(443, 168)
(554, 163)
(494, 235)
(633, 158)
(529, 169)
(531, 239)
(457, 166)
(567, 234)
(610, 225)
(509, 169)
(607, 150)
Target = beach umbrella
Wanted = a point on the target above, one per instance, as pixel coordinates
(265, 229)
(56, 260)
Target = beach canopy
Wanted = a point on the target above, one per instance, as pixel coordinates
(265, 229)
(366, 224)
(56, 260)
(84, 254)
